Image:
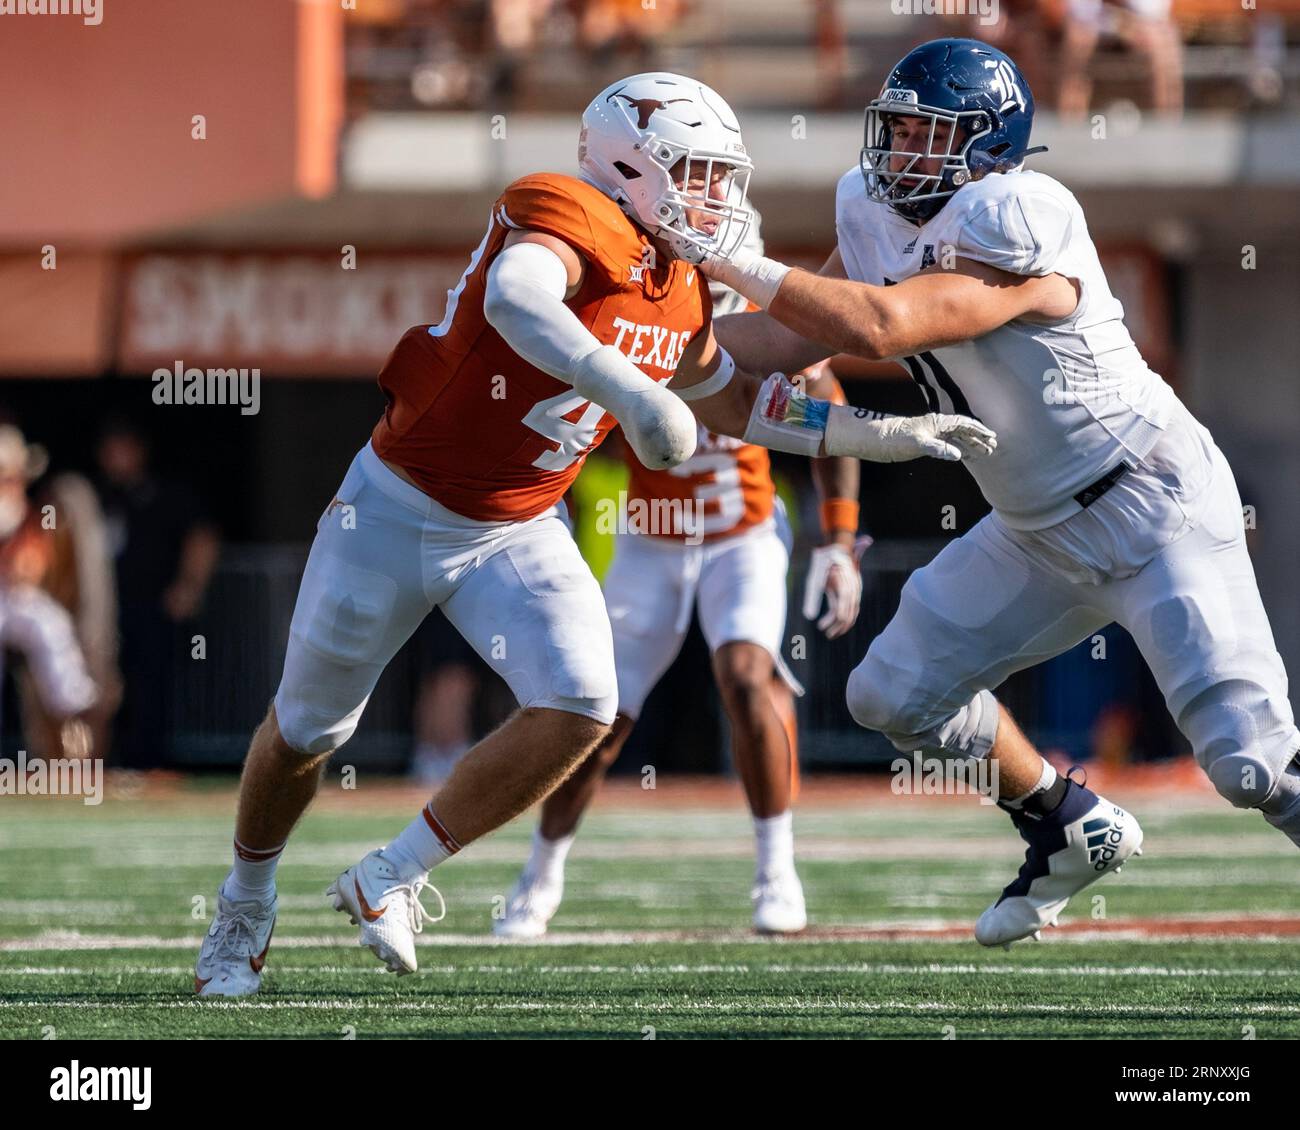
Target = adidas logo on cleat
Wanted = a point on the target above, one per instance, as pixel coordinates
(1103, 838)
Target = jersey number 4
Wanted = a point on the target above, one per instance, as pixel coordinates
(548, 417)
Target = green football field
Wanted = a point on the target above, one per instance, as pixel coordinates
(101, 910)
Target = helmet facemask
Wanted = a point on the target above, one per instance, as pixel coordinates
(914, 194)
(701, 207)
(668, 150)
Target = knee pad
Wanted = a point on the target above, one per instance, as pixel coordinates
(1243, 739)
(913, 725)
(868, 696)
(307, 732)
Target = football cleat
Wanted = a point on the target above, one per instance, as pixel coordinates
(386, 907)
(778, 904)
(531, 905)
(234, 949)
(1085, 838)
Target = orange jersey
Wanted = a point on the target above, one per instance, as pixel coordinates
(725, 487)
(476, 426)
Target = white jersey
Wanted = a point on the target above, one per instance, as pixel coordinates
(1069, 400)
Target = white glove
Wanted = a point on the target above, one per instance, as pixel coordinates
(834, 573)
(895, 439)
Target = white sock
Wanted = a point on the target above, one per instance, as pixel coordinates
(421, 845)
(775, 836)
(548, 856)
(253, 876)
(1045, 781)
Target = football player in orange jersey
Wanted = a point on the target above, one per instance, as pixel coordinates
(710, 535)
(577, 308)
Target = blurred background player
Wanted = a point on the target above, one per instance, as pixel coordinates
(458, 697)
(34, 624)
(730, 562)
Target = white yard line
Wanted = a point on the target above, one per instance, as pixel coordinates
(1162, 929)
(863, 968)
(838, 1005)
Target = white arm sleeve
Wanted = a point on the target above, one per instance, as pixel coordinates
(524, 303)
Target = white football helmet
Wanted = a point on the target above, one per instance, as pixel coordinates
(637, 131)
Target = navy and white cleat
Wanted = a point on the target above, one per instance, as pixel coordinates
(1084, 838)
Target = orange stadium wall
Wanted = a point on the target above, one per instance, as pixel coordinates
(98, 122)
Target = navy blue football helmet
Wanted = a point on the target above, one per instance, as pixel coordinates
(975, 88)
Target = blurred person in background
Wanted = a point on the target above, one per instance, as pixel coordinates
(516, 30)
(165, 550)
(81, 579)
(628, 26)
(1145, 27)
(33, 623)
(459, 698)
(1024, 29)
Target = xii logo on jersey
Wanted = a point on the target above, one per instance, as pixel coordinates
(636, 272)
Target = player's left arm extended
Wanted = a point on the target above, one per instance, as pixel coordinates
(938, 307)
(775, 414)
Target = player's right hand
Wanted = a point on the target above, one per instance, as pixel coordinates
(660, 428)
(657, 424)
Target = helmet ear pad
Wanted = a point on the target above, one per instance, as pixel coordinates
(987, 146)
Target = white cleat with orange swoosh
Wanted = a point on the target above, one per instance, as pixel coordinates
(234, 949)
(386, 907)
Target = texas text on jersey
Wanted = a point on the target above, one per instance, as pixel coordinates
(481, 430)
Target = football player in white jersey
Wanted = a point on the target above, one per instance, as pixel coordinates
(1110, 502)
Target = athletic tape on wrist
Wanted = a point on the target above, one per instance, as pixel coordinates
(783, 419)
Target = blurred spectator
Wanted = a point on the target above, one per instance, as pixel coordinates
(165, 550)
(32, 622)
(516, 30)
(832, 51)
(1020, 28)
(1143, 26)
(81, 579)
(627, 26)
